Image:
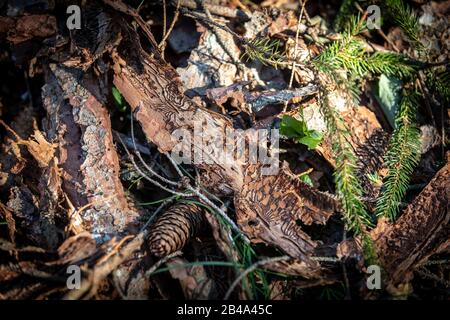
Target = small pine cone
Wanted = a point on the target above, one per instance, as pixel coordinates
(175, 227)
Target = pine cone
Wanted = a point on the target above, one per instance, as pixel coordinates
(175, 227)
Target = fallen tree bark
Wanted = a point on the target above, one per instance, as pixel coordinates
(422, 230)
(79, 122)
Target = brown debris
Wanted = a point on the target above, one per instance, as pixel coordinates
(7, 214)
(154, 93)
(28, 27)
(86, 151)
(421, 231)
(41, 150)
(68, 200)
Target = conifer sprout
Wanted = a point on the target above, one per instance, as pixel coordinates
(402, 156)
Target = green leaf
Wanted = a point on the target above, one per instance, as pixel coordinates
(292, 128)
(306, 179)
(119, 100)
(388, 96)
(298, 131)
(312, 139)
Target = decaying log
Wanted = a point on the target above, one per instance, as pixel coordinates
(422, 230)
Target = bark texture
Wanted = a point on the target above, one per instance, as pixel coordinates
(422, 230)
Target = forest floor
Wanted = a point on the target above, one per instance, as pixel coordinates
(215, 149)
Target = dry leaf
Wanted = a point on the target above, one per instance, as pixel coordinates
(10, 221)
(41, 150)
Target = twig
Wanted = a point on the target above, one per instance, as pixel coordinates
(162, 44)
(146, 177)
(101, 271)
(129, 143)
(164, 18)
(297, 33)
(216, 10)
(205, 199)
(250, 269)
(168, 181)
(380, 32)
(162, 261)
(124, 8)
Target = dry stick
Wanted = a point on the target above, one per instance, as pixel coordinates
(103, 270)
(162, 261)
(146, 177)
(194, 191)
(189, 187)
(216, 9)
(129, 143)
(250, 269)
(205, 199)
(164, 18)
(380, 32)
(182, 175)
(162, 44)
(168, 181)
(200, 17)
(297, 33)
(124, 8)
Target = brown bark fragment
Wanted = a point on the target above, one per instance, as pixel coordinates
(79, 122)
(28, 27)
(421, 231)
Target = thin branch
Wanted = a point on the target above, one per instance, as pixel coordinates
(250, 269)
(162, 261)
(162, 44)
(205, 199)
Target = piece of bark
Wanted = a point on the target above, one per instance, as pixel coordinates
(79, 122)
(194, 280)
(422, 230)
(269, 207)
(27, 27)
